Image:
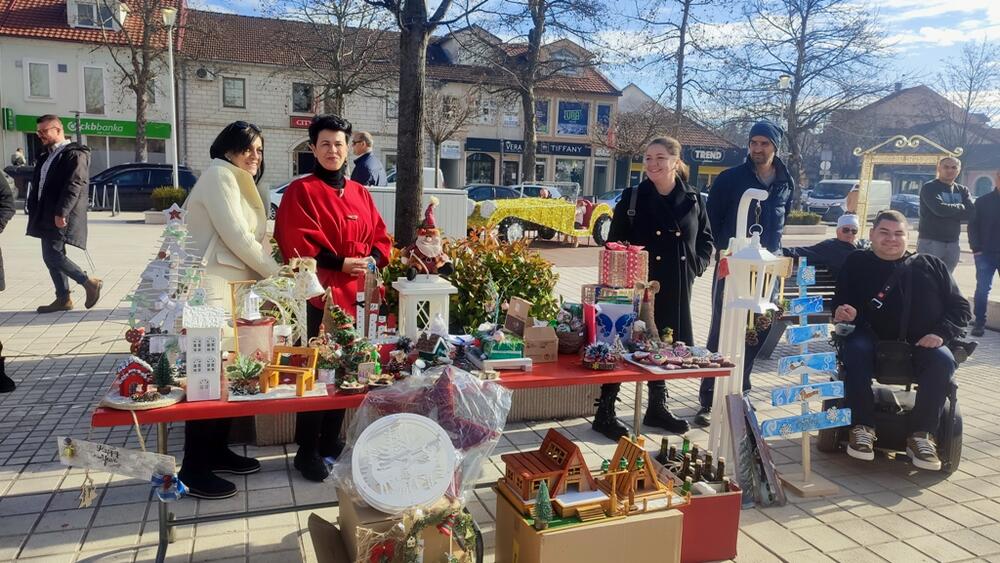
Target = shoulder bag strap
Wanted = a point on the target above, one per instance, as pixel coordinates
(904, 321)
(632, 201)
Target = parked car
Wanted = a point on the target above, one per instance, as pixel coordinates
(136, 182)
(907, 204)
(483, 192)
(275, 196)
(428, 178)
(829, 198)
(611, 198)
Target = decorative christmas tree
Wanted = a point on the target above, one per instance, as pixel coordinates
(543, 507)
(163, 375)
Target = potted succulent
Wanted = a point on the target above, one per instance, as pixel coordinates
(243, 375)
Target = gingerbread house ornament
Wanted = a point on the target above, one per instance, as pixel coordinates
(132, 376)
(202, 345)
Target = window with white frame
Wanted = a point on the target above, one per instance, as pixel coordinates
(392, 105)
(210, 365)
(196, 344)
(93, 89)
(234, 92)
(197, 366)
(211, 344)
(39, 82)
(302, 98)
(96, 15)
(487, 111)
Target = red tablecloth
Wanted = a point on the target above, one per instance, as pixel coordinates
(566, 371)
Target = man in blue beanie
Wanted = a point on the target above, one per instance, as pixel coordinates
(765, 171)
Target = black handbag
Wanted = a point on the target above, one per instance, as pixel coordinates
(894, 358)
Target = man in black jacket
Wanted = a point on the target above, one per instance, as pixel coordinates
(6, 213)
(943, 205)
(765, 171)
(871, 297)
(57, 211)
(984, 239)
(831, 252)
(368, 170)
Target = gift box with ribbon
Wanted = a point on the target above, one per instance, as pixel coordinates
(622, 265)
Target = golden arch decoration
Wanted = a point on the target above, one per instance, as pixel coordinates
(904, 154)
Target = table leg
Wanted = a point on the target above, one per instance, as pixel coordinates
(637, 417)
(163, 515)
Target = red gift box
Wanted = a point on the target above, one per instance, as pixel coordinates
(622, 265)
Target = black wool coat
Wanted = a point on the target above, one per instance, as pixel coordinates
(674, 229)
(6, 212)
(65, 195)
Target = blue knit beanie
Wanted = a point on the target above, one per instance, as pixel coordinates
(767, 129)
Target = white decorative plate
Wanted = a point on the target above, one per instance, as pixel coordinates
(403, 461)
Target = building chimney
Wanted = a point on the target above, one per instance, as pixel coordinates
(899, 86)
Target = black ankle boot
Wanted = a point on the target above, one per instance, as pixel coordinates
(606, 421)
(658, 415)
(312, 467)
(204, 484)
(230, 462)
(7, 384)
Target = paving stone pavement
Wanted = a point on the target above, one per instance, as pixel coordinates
(884, 510)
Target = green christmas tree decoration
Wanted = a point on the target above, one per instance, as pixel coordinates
(605, 466)
(622, 464)
(543, 507)
(163, 374)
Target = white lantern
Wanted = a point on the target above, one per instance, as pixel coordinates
(251, 306)
(753, 274)
(420, 303)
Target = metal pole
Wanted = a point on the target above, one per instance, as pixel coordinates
(173, 100)
(163, 514)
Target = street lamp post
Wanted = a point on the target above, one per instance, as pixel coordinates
(169, 20)
(784, 85)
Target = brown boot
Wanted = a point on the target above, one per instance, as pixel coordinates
(60, 304)
(93, 287)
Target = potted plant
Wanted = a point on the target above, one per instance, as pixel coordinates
(244, 374)
(163, 375)
(165, 196)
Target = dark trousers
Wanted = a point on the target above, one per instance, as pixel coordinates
(657, 390)
(707, 389)
(204, 441)
(932, 372)
(61, 268)
(318, 431)
(987, 266)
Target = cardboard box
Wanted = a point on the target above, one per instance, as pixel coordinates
(652, 537)
(540, 343)
(354, 516)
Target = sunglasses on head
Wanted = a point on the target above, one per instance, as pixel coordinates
(244, 125)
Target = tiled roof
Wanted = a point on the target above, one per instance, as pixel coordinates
(248, 39)
(694, 134)
(46, 19)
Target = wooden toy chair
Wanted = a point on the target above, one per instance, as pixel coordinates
(305, 375)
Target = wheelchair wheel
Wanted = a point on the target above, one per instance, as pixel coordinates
(950, 444)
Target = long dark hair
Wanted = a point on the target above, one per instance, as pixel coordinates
(238, 137)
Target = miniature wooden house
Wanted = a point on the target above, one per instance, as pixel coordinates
(203, 326)
(431, 346)
(132, 376)
(559, 462)
(639, 479)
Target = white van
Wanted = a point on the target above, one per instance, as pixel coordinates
(428, 178)
(830, 198)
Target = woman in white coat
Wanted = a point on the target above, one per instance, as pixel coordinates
(227, 221)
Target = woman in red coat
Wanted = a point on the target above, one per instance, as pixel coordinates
(334, 219)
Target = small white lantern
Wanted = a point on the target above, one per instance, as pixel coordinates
(421, 302)
(753, 273)
(251, 306)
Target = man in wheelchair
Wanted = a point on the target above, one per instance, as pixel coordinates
(907, 309)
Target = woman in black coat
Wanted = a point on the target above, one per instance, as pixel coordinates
(6, 212)
(671, 224)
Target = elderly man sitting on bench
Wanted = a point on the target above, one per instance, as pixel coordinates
(893, 295)
(831, 252)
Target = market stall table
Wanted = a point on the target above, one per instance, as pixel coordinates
(564, 372)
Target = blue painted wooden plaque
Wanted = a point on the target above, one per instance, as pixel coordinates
(822, 363)
(807, 333)
(809, 392)
(806, 305)
(806, 275)
(786, 427)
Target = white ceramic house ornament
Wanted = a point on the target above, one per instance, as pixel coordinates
(421, 302)
(202, 346)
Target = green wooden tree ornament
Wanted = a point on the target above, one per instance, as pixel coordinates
(622, 464)
(543, 507)
(605, 466)
(163, 375)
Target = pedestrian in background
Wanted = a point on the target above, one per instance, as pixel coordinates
(368, 170)
(944, 203)
(57, 211)
(17, 158)
(6, 212)
(984, 239)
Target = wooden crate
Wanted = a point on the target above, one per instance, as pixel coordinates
(553, 402)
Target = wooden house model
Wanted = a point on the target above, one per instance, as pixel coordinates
(132, 376)
(431, 346)
(203, 349)
(631, 476)
(560, 463)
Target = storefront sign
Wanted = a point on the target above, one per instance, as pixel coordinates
(8, 118)
(573, 118)
(542, 116)
(707, 155)
(568, 149)
(451, 150)
(299, 122)
(604, 117)
(98, 127)
(511, 119)
(473, 144)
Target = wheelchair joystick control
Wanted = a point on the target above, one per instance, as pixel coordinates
(843, 330)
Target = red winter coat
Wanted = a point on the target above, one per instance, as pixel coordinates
(313, 216)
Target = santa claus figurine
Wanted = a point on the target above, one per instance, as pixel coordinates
(426, 255)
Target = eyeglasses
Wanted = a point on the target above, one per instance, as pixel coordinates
(357, 141)
(849, 230)
(44, 129)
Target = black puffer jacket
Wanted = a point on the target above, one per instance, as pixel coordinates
(6, 212)
(64, 195)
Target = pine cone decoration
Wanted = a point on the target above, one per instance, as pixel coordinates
(752, 338)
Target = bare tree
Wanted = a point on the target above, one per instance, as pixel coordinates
(631, 131)
(136, 39)
(971, 86)
(445, 115)
(527, 62)
(416, 23)
(832, 52)
(345, 46)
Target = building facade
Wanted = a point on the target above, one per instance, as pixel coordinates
(53, 61)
